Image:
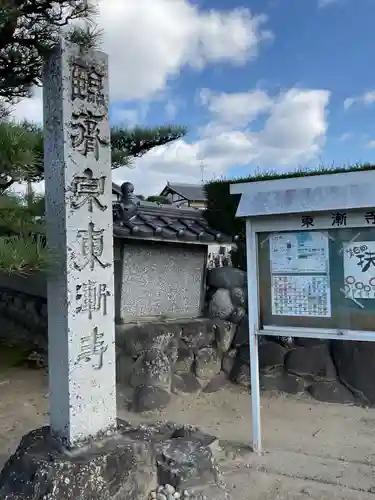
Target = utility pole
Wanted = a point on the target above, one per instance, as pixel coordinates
(203, 166)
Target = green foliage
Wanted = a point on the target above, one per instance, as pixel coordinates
(20, 155)
(128, 144)
(21, 160)
(28, 31)
(222, 206)
(21, 148)
(22, 241)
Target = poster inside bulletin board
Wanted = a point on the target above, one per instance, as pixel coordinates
(318, 278)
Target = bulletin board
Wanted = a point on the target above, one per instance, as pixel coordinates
(318, 278)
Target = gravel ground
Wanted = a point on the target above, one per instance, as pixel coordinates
(313, 450)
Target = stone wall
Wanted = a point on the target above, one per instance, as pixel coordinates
(330, 371)
(158, 360)
(161, 358)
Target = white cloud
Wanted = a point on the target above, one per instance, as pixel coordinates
(293, 133)
(366, 99)
(235, 109)
(172, 107)
(371, 144)
(149, 41)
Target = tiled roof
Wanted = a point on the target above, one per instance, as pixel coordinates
(137, 219)
(191, 192)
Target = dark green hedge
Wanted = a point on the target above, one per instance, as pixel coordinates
(222, 206)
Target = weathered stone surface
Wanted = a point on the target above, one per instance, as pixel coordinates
(331, 392)
(355, 363)
(185, 358)
(184, 463)
(171, 350)
(152, 368)
(278, 380)
(207, 363)
(185, 383)
(209, 293)
(237, 315)
(148, 398)
(139, 338)
(124, 466)
(307, 342)
(241, 373)
(226, 277)
(221, 304)
(124, 368)
(239, 297)
(242, 334)
(224, 333)
(271, 355)
(311, 362)
(228, 360)
(197, 334)
(40, 471)
(217, 383)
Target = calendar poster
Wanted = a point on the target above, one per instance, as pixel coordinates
(294, 295)
(299, 252)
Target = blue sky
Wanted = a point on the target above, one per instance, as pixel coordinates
(260, 84)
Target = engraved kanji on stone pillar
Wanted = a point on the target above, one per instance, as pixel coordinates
(80, 234)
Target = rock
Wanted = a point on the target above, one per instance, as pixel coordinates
(171, 350)
(242, 334)
(217, 383)
(139, 338)
(192, 432)
(207, 363)
(197, 334)
(237, 315)
(228, 361)
(152, 368)
(271, 355)
(239, 297)
(185, 358)
(148, 398)
(40, 471)
(124, 368)
(311, 362)
(209, 294)
(331, 392)
(221, 304)
(169, 489)
(226, 277)
(224, 333)
(241, 373)
(307, 342)
(185, 383)
(355, 363)
(278, 380)
(185, 463)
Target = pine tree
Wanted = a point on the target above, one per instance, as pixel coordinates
(29, 29)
